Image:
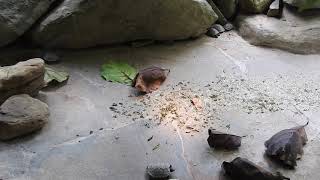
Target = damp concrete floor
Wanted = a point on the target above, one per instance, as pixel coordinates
(83, 140)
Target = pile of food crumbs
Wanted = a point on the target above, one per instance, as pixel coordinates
(195, 108)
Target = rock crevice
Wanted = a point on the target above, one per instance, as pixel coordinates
(16, 17)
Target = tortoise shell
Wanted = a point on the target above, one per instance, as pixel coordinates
(159, 170)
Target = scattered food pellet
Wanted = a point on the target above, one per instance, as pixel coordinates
(156, 147)
(150, 138)
(235, 93)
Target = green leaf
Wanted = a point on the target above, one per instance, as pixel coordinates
(52, 75)
(118, 72)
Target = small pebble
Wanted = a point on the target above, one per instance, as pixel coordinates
(150, 138)
(112, 108)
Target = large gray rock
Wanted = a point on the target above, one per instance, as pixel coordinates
(293, 32)
(254, 6)
(83, 23)
(16, 17)
(20, 115)
(26, 77)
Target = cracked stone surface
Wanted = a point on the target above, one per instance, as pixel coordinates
(84, 141)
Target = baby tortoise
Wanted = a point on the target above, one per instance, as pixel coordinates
(212, 32)
(218, 27)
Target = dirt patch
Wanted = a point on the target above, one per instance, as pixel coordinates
(176, 103)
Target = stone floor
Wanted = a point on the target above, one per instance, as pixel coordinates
(65, 149)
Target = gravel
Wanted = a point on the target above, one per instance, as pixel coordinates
(174, 103)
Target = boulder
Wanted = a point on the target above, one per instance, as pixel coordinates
(16, 17)
(304, 4)
(227, 7)
(297, 33)
(20, 115)
(275, 9)
(83, 23)
(26, 77)
(254, 6)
